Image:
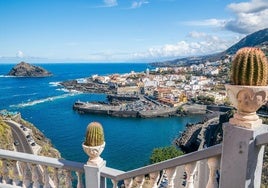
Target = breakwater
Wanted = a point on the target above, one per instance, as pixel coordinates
(141, 108)
(123, 111)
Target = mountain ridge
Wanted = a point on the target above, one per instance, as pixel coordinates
(256, 39)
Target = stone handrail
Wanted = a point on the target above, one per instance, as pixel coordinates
(261, 139)
(42, 160)
(23, 169)
(168, 167)
(200, 169)
(182, 160)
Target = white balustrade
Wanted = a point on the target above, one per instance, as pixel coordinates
(35, 176)
(4, 171)
(27, 170)
(15, 173)
(56, 177)
(46, 177)
(68, 179)
(171, 173)
(190, 170)
(27, 176)
(154, 177)
(114, 183)
(144, 177)
(139, 180)
(79, 180)
(214, 166)
(128, 182)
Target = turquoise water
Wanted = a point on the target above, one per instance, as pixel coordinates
(129, 141)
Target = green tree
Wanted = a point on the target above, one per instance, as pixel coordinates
(164, 153)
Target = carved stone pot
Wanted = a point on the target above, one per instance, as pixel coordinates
(247, 100)
(94, 153)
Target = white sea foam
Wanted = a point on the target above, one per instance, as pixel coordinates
(54, 84)
(6, 76)
(69, 91)
(28, 94)
(75, 91)
(63, 89)
(81, 80)
(39, 101)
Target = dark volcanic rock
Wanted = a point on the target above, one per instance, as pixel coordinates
(26, 70)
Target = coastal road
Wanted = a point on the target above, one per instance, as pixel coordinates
(23, 145)
(18, 135)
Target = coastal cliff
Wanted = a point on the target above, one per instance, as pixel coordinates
(6, 138)
(24, 69)
(46, 147)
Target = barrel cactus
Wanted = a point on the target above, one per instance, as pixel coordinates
(250, 67)
(94, 134)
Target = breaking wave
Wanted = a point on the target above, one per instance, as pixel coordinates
(54, 84)
(6, 76)
(20, 95)
(39, 101)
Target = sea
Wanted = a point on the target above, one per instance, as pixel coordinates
(44, 103)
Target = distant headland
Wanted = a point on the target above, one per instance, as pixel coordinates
(24, 69)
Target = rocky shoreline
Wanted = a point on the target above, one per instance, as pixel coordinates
(87, 87)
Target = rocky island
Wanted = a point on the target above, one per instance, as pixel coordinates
(24, 69)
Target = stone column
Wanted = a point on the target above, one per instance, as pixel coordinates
(241, 159)
(92, 175)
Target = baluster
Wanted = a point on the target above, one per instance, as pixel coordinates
(154, 176)
(114, 183)
(79, 180)
(214, 165)
(4, 171)
(46, 177)
(189, 169)
(27, 177)
(128, 182)
(35, 176)
(15, 173)
(139, 180)
(56, 177)
(171, 173)
(68, 178)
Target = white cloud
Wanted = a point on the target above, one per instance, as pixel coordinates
(20, 54)
(208, 22)
(207, 45)
(249, 7)
(137, 4)
(249, 16)
(195, 34)
(108, 56)
(110, 3)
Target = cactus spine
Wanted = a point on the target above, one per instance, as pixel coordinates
(250, 67)
(94, 134)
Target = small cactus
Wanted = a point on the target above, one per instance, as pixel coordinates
(250, 67)
(94, 134)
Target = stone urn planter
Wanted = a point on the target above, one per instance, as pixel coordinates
(249, 86)
(94, 143)
(94, 153)
(247, 100)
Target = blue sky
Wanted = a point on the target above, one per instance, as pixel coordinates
(123, 30)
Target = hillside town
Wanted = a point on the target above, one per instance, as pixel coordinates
(170, 86)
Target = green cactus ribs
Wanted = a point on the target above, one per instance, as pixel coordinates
(94, 134)
(250, 67)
